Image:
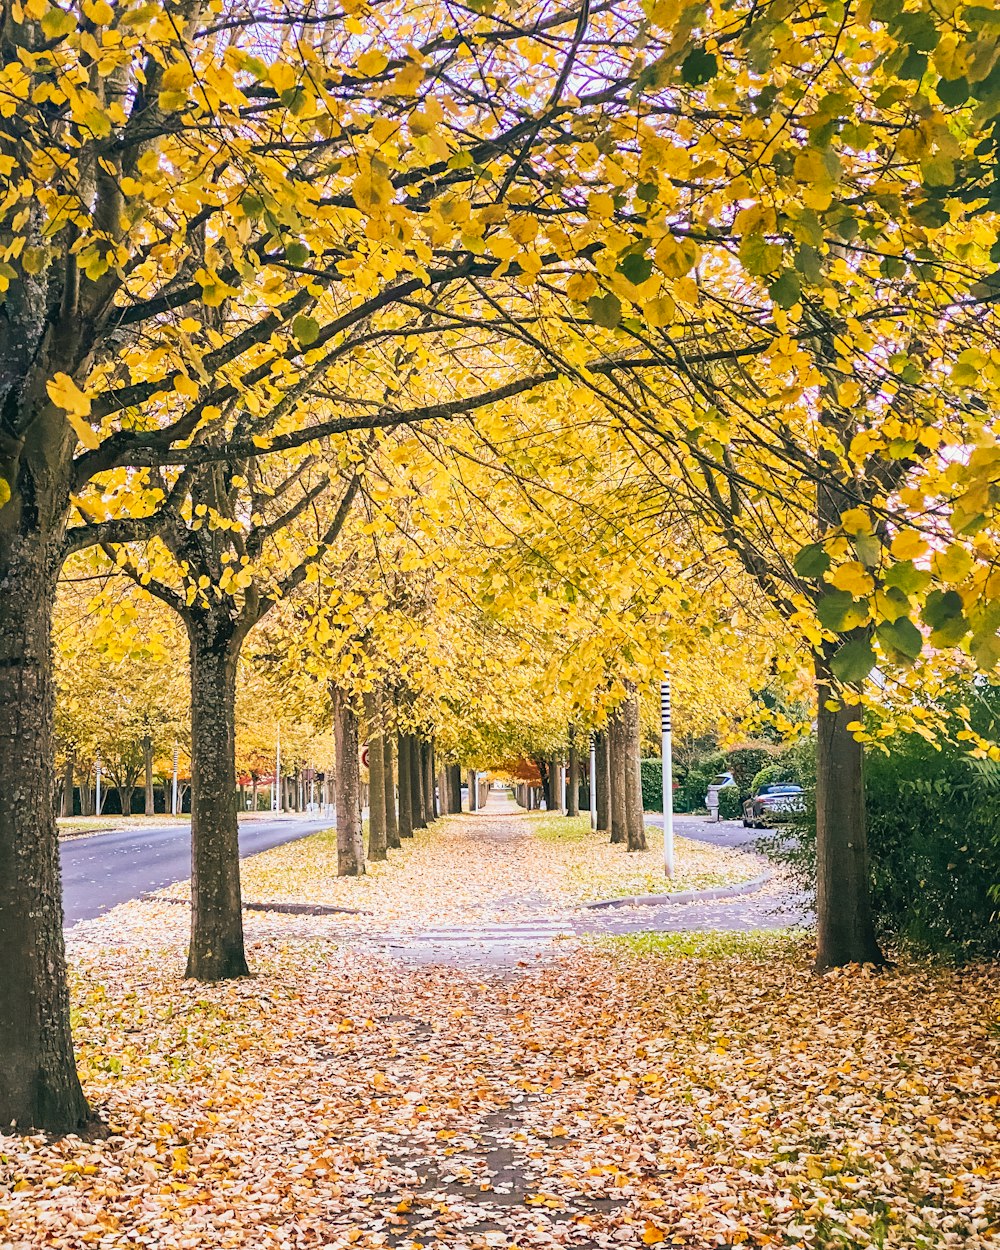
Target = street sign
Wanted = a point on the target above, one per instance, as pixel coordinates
(364, 757)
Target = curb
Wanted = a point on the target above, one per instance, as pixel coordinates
(683, 896)
(287, 909)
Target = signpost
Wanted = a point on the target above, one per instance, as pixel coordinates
(668, 778)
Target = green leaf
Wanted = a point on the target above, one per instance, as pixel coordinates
(296, 253)
(953, 93)
(786, 289)
(944, 612)
(758, 256)
(812, 561)
(636, 267)
(306, 330)
(57, 23)
(867, 547)
(854, 661)
(606, 310)
(901, 639)
(699, 67)
(840, 611)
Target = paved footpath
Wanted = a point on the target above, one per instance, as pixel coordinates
(537, 924)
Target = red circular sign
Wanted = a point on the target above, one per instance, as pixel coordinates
(364, 757)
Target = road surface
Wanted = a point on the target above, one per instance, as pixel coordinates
(104, 869)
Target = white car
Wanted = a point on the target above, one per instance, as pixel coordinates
(719, 782)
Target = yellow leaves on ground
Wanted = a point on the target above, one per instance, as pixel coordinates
(715, 1094)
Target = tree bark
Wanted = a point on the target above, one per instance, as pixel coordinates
(417, 783)
(389, 789)
(430, 801)
(600, 782)
(635, 824)
(573, 780)
(147, 763)
(454, 786)
(473, 797)
(39, 1087)
(405, 786)
(616, 778)
(844, 926)
(67, 791)
(552, 797)
(350, 851)
(216, 952)
(377, 843)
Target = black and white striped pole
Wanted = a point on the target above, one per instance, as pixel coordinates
(593, 782)
(668, 778)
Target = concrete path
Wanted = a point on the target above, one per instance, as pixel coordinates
(544, 925)
(105, 869)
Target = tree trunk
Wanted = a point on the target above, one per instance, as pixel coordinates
(417, 783)
(473, 806)
(616, 778)
(600, 782)
(454, 787)
(553, 799)
(147, 762)
(67, 794)
(443, 794)
(635, 824)
(573, 781)
(389, 789)
(430, 802)
(844, 926)
(125, 799)
(216, 952)
(350, 851)
(39, 1087)
(377, 843)
(405, 786)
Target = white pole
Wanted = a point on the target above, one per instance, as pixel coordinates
(97, 797)
(276, 801)
(668, 778)
(173, 792)
(593, 783)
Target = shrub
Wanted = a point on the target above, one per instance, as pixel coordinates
(730, 803)
(934, 841)
(693, 782)
(746, 761)
(651, 771)
(771, 774)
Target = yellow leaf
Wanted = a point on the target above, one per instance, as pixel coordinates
(653, 1236)
(908, 545)
(372, 62)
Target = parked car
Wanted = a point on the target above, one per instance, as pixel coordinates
(719, 781)
(778, 801)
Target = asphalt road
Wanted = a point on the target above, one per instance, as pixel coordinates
(101, 870)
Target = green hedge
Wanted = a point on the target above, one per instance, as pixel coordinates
(934, 840)
(730, 803)
(652, 784)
